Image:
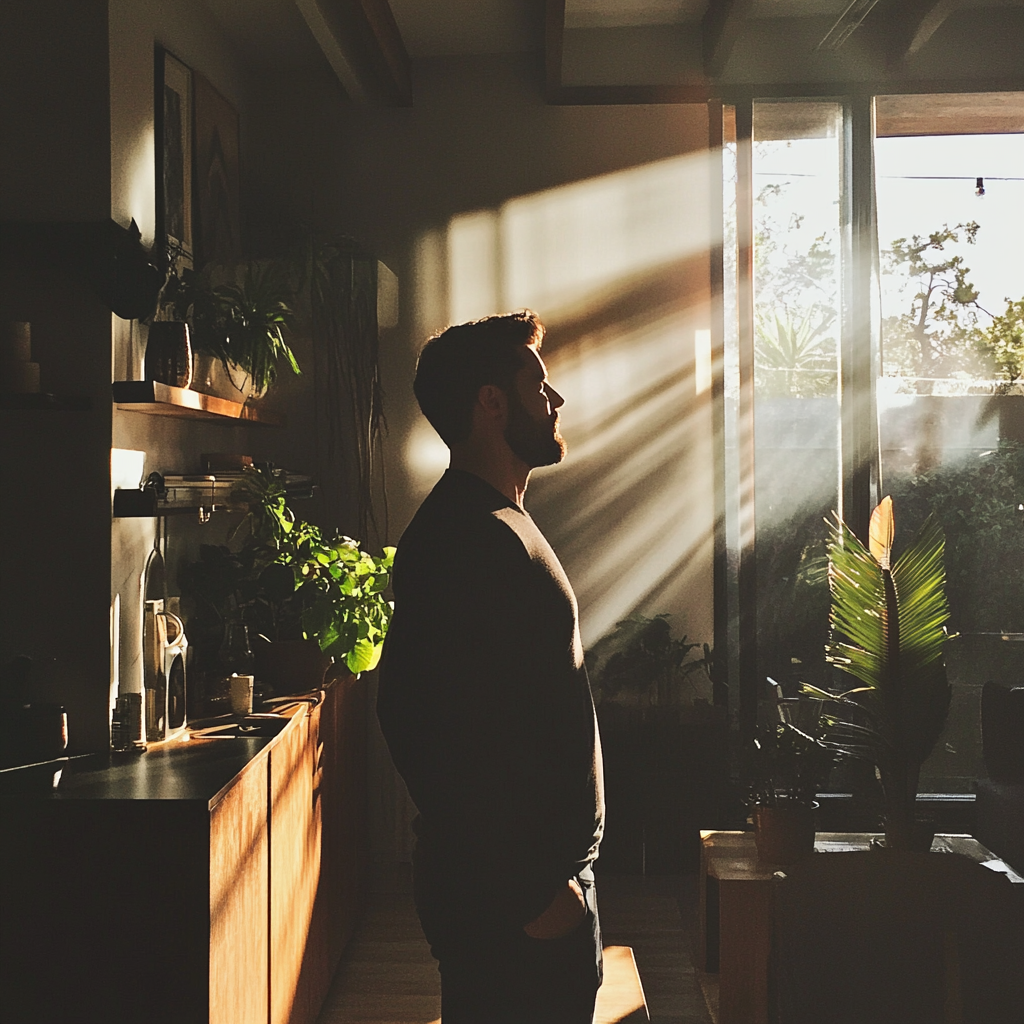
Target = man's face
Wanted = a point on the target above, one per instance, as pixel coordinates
(533, 404)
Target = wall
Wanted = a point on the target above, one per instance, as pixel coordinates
(482, 198)
(55, 513)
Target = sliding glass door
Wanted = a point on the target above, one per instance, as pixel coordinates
(871, 323)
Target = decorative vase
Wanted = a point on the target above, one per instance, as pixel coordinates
(169, 353)
(784, 834)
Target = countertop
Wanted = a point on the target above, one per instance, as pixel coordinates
(185, 769)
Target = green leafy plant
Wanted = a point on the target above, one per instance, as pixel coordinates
(255, 312)
(287, 581)
(644, 660)
(790, 765)
(888, 632)
(1001, 344)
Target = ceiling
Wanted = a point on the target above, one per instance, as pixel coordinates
(648, 50)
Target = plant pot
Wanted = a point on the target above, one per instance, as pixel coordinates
(211, 378)
(784, 834)
(290, 666)
(169, 353)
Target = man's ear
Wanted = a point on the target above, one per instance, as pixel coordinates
(492, 402)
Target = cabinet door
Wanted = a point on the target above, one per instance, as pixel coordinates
(239, 860)
(294, 867)
(349, 797)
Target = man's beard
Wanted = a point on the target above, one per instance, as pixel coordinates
(537, 443)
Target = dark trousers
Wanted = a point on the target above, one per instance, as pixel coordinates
(492, 972)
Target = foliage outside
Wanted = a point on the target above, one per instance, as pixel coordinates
(286, 581)
(888, 623)
(797, 299)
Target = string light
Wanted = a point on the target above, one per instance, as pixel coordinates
(979, 187)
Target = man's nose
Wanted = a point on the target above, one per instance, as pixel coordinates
(554, 398)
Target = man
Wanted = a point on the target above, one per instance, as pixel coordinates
(484, 698)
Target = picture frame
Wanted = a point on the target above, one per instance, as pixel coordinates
(174, 164)
(217, 175)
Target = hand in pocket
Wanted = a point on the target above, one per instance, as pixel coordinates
(563, 914)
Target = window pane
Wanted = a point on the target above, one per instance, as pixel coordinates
(797, 188)
(950, 220)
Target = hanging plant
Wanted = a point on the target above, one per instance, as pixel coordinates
(349, 399)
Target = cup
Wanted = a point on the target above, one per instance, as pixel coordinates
(241, 694)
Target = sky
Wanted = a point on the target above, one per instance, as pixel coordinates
(921, 184)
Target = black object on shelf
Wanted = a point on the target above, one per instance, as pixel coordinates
(193, 495)
(42, 400)
(154, 398)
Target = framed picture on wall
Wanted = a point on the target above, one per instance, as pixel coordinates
(217, 182)
(173, 109)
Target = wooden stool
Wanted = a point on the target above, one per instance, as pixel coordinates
(621, 996)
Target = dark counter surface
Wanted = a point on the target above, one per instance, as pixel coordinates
(196, 769)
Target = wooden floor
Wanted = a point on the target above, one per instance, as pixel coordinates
(388, 976)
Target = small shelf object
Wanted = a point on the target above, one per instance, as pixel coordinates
(199, 495)
(156, 399)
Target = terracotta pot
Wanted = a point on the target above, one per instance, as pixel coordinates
(169, 353)
(290, 666)
(785, 833)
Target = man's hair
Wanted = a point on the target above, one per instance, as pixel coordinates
(455, 364)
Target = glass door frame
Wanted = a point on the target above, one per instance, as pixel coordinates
(859, 355)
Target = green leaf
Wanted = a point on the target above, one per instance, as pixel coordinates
(363, 656)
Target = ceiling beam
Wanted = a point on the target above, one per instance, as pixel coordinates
(362, 44)
(924, 23)
(720, 27)
(554, 34)
(848, 22)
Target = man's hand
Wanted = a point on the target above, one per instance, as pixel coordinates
(564, 914)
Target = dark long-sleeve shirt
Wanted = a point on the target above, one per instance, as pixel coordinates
(484, 700)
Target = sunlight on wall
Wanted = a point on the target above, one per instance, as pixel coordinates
(702, 361)
(616, 268)
(563, 247)
(426, 455)
(474, 273)
(629, 511)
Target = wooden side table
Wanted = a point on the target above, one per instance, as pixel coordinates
(735, 914)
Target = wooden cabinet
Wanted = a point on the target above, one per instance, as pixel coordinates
(239, 894)
(220, 879)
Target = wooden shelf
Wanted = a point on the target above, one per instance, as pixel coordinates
(60, 403)
(156, 399)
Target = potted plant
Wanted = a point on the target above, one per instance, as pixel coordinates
(236, 326)
(307, 599)
(255, 312)
(664, 745)
(790, 765)
(888, 633)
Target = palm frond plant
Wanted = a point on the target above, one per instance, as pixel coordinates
(888, 633)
